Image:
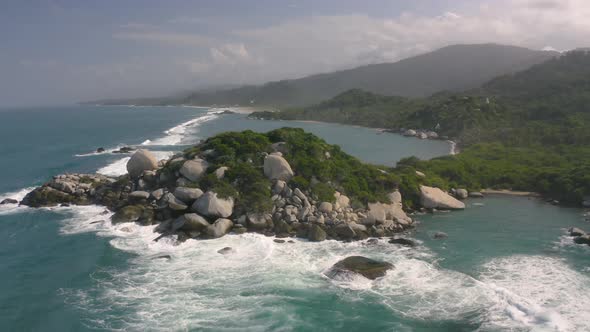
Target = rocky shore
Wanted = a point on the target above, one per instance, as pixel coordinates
(167, 193)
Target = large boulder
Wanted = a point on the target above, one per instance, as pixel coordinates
(219, 228)
(434, 198)
(187, 195)
(212, 206)
(191, 222)
(277, 168)
(325, 207)
(220, 172)
(364, 266)
(342, 201)
(174, 203)
(258, 221)
(379, 212)
(316, 233)
(461, 193)
(194, 169)
(344, 231)
(141, 160)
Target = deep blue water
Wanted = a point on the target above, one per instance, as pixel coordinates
(506, 264)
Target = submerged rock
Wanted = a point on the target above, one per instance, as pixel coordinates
(8, 201)
(226, 251)
(440, 235)
(141, 160)
(125, 149)
(475, 194)
(404, 242)
(583, 239)
(574, 231)
(434, 198)
(368, 268)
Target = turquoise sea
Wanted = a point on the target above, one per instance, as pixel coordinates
(507, 264)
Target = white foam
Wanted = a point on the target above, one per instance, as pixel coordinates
(119, 167)
(116, 168)
(200, 289)
(178, 134)
(539, 292)
(108, 150)
(16, 195)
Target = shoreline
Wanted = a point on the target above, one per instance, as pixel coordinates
(453, 146)
(507, 192)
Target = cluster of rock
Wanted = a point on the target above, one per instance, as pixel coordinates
(78, 189)
(295, 213)
(463, 193)
(420, 133)
(580, 236)
(150, 194)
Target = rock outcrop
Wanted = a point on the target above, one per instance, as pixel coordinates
(167, 194)
(368, 268)
(434, 198)
(141, 160)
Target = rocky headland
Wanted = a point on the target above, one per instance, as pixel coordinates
(284, 183)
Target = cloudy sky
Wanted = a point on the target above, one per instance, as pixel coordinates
(60, 52)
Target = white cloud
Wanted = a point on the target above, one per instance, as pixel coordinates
(182, 39)
(306, 45)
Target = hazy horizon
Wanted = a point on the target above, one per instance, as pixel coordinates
(63, 52)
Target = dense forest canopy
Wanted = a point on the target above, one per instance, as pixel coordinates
(528, 131)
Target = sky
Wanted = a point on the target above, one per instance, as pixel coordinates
(56, 52)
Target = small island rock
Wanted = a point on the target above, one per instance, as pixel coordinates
(368, 268)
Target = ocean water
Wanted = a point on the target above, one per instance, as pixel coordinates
(507, 264)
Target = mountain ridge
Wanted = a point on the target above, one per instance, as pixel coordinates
(453, 68)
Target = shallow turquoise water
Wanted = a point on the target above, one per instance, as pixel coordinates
(506, 265)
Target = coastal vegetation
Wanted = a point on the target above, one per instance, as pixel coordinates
(524, 131)
(285, 182)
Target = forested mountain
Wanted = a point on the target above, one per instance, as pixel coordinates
(452, 68)
(525, 131)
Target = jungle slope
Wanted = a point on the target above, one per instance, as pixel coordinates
(525, 131)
